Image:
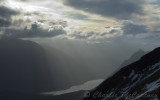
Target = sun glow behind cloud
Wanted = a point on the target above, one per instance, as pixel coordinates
(82, 20)
(53, 10)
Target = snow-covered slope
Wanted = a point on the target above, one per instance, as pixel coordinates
(137, 81)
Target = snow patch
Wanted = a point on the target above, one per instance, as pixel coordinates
(132, 73)
(154, 66)
(135, 76)
(157, 64)
(150, 87)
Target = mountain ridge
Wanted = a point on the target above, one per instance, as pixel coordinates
(23, 67)
(130, 78)
(134, 57)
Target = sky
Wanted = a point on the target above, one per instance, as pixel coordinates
(94, 21)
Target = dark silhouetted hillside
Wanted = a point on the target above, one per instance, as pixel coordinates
(23, 67)
(139, 81)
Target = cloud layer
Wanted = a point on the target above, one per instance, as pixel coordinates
(131, 28)
(18, 23)
(5, 16)
(120, 9)
(79, 19)
(34, 31)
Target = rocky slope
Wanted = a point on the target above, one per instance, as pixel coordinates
(137, 81)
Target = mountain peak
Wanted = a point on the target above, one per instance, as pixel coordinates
(135, 56)
(141, 77)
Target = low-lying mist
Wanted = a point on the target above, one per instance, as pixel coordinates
(73, 62)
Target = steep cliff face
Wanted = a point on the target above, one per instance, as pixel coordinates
(139, 80)
(23, 67)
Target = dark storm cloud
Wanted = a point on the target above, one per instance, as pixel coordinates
(5, 15)
(121, 9)
(4, 23)
(18, 27)
(131, 28)
(6, 12)
(35, 31)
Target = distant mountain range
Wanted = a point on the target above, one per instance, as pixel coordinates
(137, 81)
(27, 69)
